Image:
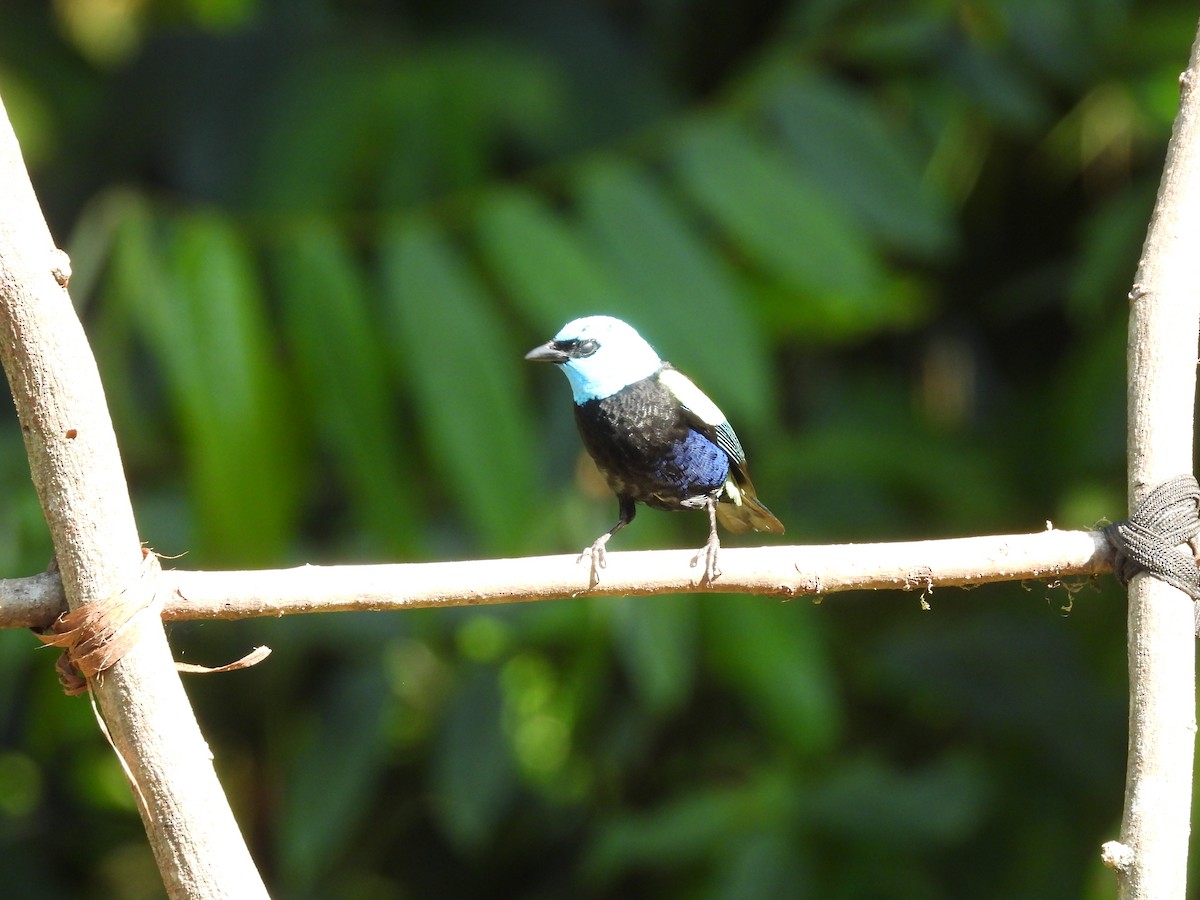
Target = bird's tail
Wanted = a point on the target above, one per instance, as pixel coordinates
(740, 510)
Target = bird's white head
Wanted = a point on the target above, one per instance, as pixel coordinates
(600, 355)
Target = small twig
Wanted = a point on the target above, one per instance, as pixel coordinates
(779, 571)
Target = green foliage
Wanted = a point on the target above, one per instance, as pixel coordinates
(801, 710)
(311, 245)
(862, 165)
(348, 723)
(543, 267)
(443, 316)
(342, 374)
(190, 290)
(784, 225)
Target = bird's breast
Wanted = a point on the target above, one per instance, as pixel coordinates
(642, 443)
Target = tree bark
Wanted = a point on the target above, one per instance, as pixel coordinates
(1151, 857)
(77, 473)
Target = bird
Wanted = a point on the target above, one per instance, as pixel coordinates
(655, 437)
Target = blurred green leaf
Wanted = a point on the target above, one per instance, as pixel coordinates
(656, 640)
(1061, 39)
(867, 477)
(242, 434)
(996, 88)
(453, 349)
(768, 864)
(30, 114)
(1007, 684)
(312, 124)
(474, 777)
(333, 332)
(773, 657)
(690, 829)
(942, 802)
(544, 267)
(1086, 410)
(540, 711)
(448, 110)
(866, 167)
(1108, 256)
(384, 129)
(902, 35)
(773, 213)
(332, 773)
(198, 301)
(25, 542)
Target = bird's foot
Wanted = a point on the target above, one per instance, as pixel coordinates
(598, 558)
(709, 554)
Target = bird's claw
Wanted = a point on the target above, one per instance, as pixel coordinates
(597, 556)
(709, 554)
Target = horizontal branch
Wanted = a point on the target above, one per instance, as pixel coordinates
(779, 571)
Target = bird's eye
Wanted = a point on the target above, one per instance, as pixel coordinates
(576, 348)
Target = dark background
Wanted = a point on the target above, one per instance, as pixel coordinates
(312, 241)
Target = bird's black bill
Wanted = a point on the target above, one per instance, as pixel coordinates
(547, 353)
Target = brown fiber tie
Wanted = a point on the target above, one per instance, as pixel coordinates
(96, 635)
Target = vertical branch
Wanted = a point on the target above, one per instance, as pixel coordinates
(1151, 859)
(77, 472)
